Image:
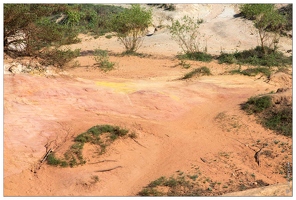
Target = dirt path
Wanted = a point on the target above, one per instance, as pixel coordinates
(177, 122)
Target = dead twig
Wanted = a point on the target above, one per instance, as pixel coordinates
(139, 143)
(106, 170)
(257, 156)
(46, 155)
(103, 161)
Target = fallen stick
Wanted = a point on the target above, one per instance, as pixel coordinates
(105, 170)
(46, 155)
(139, 143)
(103, 161)
(257, 156)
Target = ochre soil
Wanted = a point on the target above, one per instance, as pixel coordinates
(180, 125)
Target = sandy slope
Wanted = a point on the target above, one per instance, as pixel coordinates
(177, 122)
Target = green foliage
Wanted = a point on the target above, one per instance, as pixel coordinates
(168, 7)
(202, 71)
(199, 56)
(28, 29)
(257, 104)
(251, 11)
(277, 119)
(58, 57)
(185, 33)
(52, 160)
(266, 18)
(253, 71)
(256, 57)
(227, 58)
(177, 186)
(73, 155)
(131, 25)
(150, 192)
(184, 64)
(287, 12)
(102, 59)
(133, 135)
(157, 182)
(93, 18)
(280, 121)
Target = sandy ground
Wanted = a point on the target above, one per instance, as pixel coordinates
(177, 122)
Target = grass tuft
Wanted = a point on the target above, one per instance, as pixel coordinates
(202, 71)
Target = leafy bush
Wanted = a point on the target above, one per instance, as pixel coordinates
(280, 121)
(287, 11)
(131, 25)
(28, 29)
(257, 104)
(253, 71)
(185, 33)
(52, 160)
(256, 57)
(203, 71)
(58, 57)
(199, 56)
(102, 59)
(250, 11)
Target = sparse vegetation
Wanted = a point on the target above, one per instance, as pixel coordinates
(184, 64)
(102, 59)
(185, 32)
(202, 71)
(278, 119)
(253, 71)
(168, 7)
(255, 57)
(257, 104)
(198, 56)
(195, 185)
(100, 135)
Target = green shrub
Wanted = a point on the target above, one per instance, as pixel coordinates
(257, 104)
(280, 121)
(252, 71)
(102, 59)
(52, 160)
(266, 19)
(199, 56)
(73, 156)
(150, 192)
(83, 138)
(287, 11)
(277, 119)
(255, 57)
(58, 57)
(130, 26)
(203, 71)
(227, 58)
(157, 182)
(185, 32)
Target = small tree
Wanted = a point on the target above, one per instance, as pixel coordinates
(130, 26)
(186, 34)
(268, 21)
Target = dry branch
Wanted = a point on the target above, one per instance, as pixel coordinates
(105, 170)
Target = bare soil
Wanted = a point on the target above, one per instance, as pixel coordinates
(180, 125)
